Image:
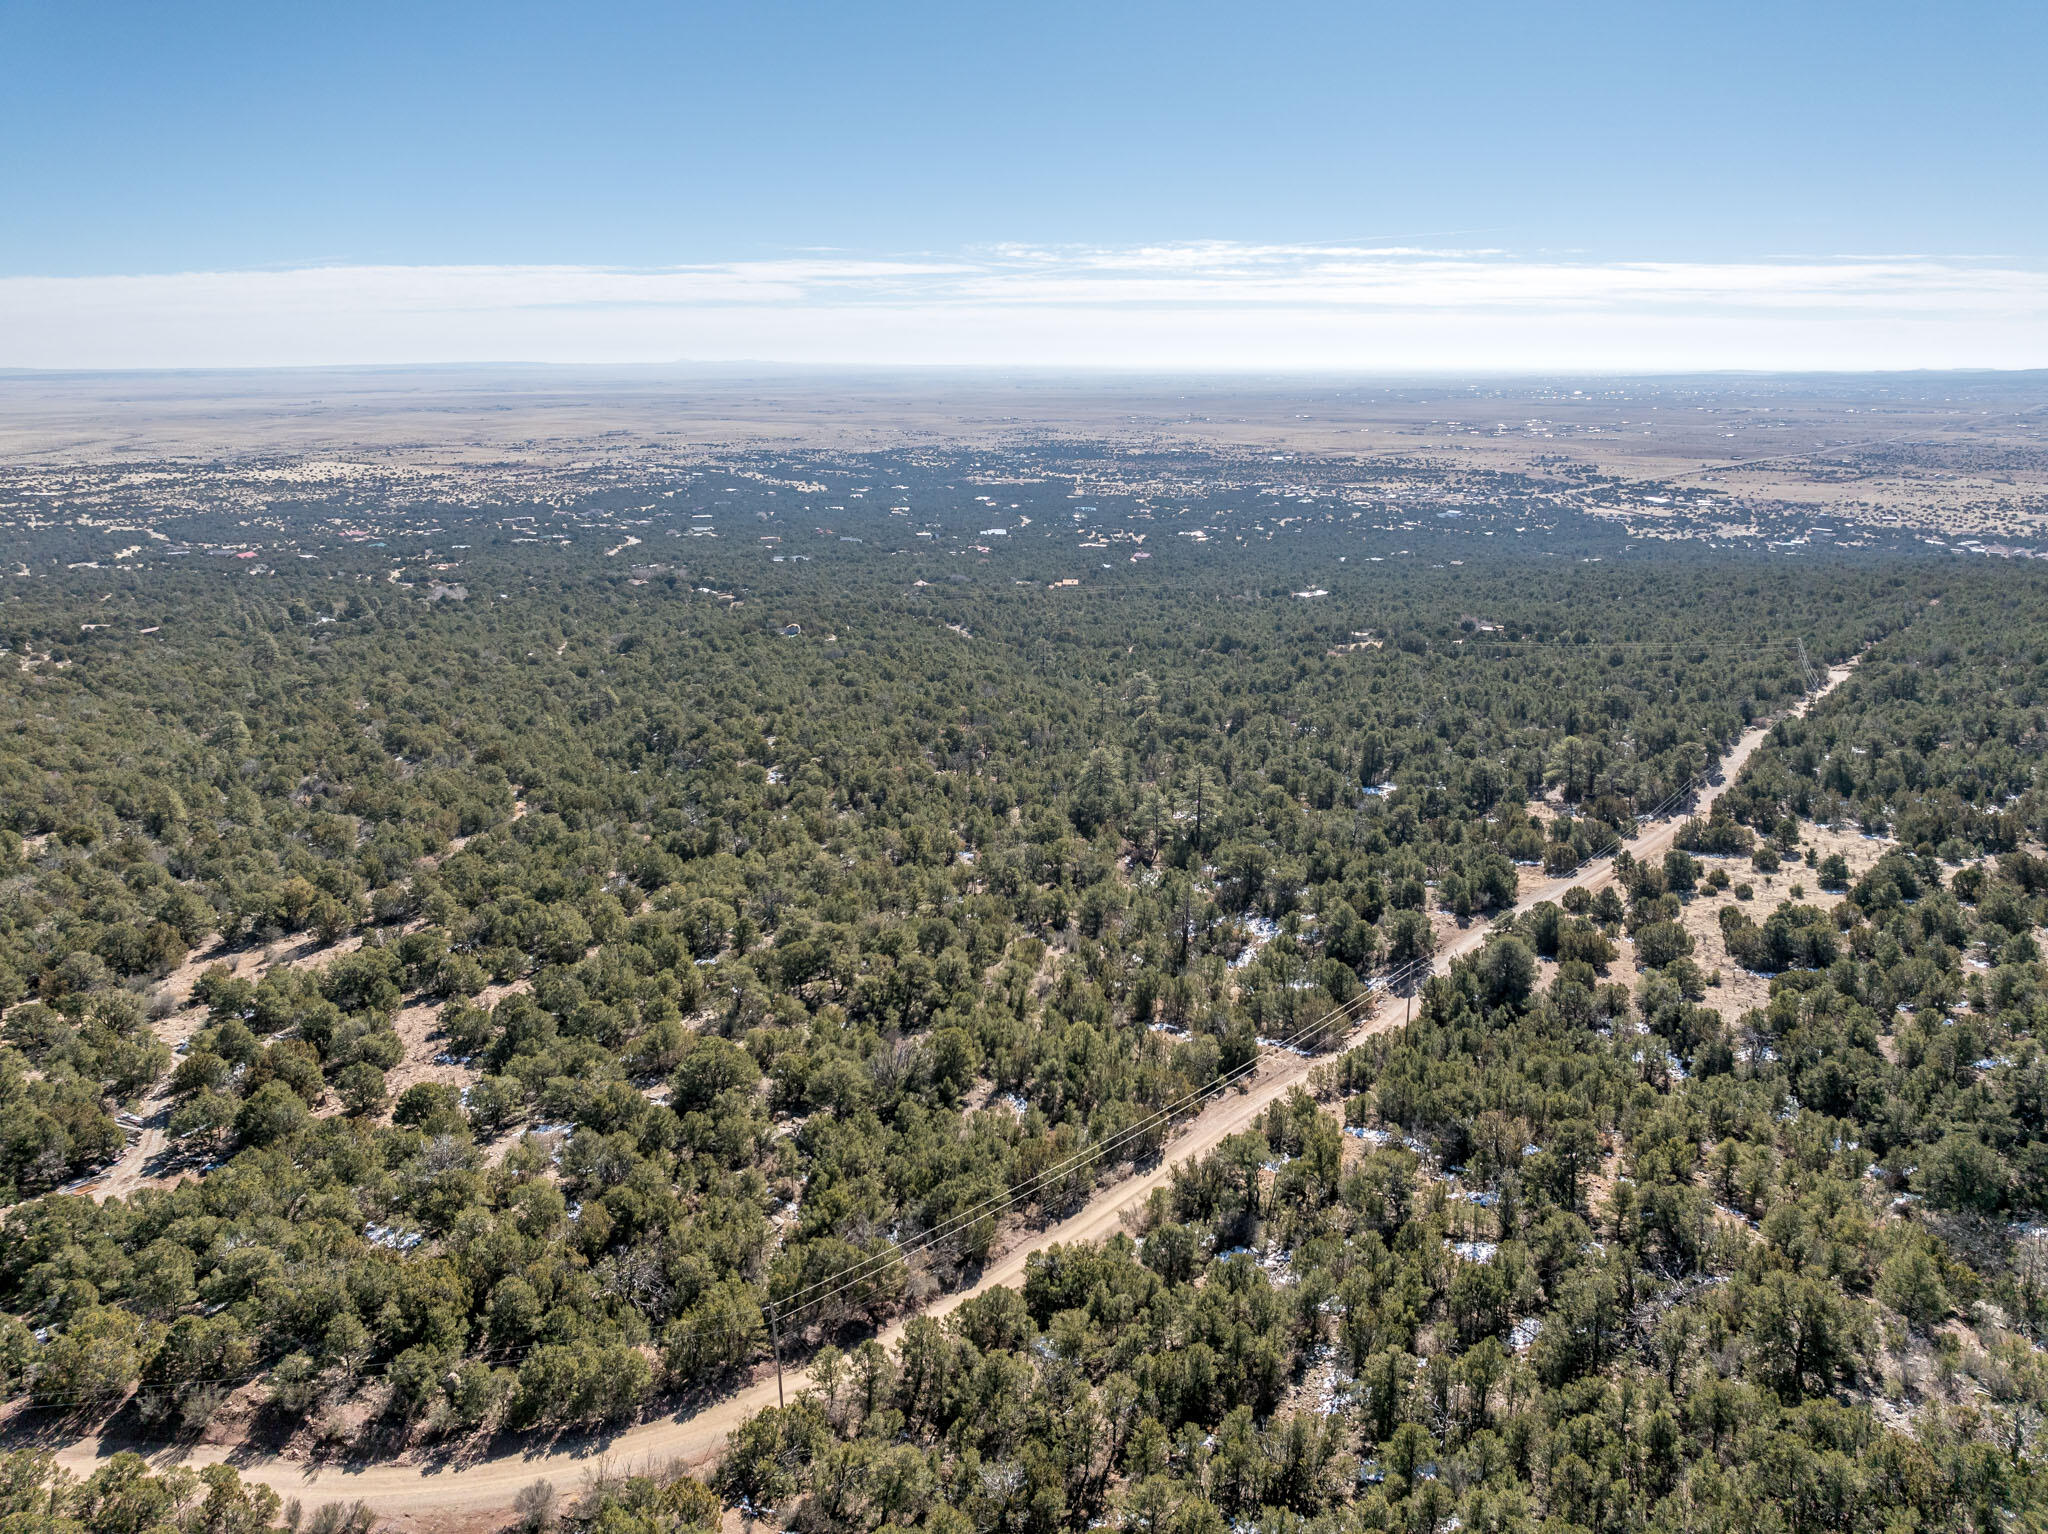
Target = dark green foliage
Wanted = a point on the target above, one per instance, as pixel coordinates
(1934, 740)
(1709, 1369)
(760, 957)
(125, 1496)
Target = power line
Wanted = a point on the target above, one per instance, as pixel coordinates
(778, 1312)
(775, 1313)
(870, 1267)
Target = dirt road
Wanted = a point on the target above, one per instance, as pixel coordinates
(426, 1497)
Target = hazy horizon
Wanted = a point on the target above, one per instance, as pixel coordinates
(1511, 189)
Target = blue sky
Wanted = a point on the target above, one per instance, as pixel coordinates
(164, 139)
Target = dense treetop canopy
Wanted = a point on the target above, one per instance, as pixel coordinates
(752, 939)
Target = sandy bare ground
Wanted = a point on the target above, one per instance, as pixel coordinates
(417, 1026)
(146, 1161)
(150, 1161)
(427, 1496)
(1742, 990)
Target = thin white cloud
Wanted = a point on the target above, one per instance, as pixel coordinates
(1200, 305)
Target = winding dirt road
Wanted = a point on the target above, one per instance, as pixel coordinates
(428, 1496)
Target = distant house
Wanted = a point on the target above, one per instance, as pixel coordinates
(791, 630)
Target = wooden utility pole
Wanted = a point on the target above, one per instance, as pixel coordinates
(775, 1336)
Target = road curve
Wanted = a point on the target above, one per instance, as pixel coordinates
(429, 1496)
